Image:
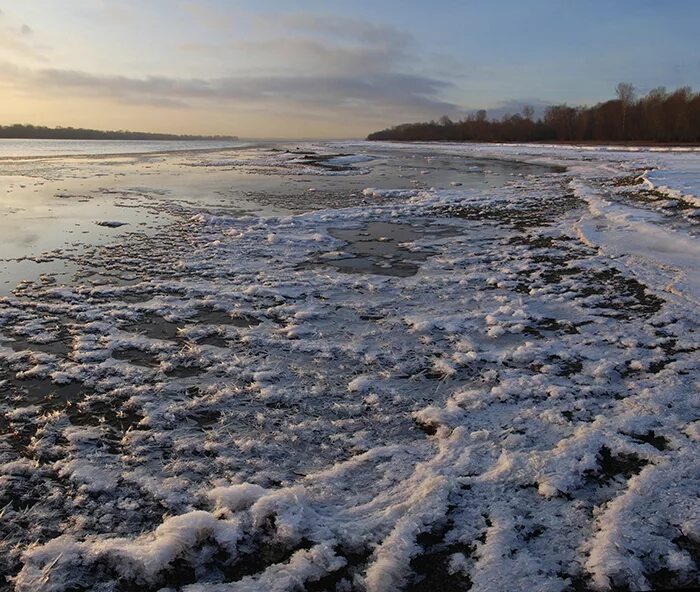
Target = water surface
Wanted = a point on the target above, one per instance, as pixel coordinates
(59, 197)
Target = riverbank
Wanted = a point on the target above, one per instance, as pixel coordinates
(463, 375)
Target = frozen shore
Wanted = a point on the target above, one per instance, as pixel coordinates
(451, 387)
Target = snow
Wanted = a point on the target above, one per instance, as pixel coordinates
(388, 193)
(682, 184)
(673, 254)
(521, 413)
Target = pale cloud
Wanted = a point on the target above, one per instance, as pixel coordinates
(308, 67)
(372, 93)
(338, 27)
(16, 45)
(304, 55)
(304, 45)
(218, 18)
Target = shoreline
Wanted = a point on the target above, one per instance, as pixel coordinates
(587, 143)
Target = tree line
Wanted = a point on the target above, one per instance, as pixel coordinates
(660, 116)
(36, 132)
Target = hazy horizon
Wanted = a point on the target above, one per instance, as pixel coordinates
(309, 70)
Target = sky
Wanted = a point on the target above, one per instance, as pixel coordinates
(328, 68)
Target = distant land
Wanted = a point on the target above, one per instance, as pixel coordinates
(36, 132)
(659, 117)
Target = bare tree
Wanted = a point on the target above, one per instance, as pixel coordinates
(625, 94)
(528, 112)
(660, 116)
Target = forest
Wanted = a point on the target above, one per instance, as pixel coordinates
(35, 132)
(660, 116)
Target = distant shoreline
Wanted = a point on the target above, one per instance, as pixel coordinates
(621, 144)
(659, 118)
(182, 139)
(32, 132)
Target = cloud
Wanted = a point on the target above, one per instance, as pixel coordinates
(302, 65)
(345, 28)
(19, 47)
(304, 44)
(17, 43)
(303, 55)
(312, 43)
(213, 16)
(370, 94)
(322, 64)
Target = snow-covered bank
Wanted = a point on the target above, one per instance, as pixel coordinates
(665, 258)
(677, 184)
(644, 204)
(674, 169)
(521, 413)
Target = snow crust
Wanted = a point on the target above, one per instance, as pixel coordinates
(390, 193)
(520, 414)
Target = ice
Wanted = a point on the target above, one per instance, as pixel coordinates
(683, 183)
(518, 413)
(392, 193)
(670, 256)
(350, 159)
(295, 161)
